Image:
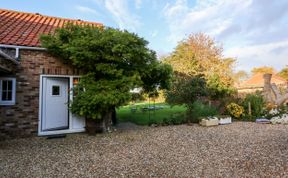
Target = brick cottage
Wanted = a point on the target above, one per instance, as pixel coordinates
(35, 87)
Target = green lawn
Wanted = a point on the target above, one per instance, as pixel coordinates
(141, 116)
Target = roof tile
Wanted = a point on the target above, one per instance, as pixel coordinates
(257, 80)
(24, 29)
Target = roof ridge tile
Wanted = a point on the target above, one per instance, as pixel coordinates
(69, 19)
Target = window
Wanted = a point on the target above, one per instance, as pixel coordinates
(7, 91)
(55, 90)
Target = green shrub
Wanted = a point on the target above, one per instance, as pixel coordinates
(198, 109)
(235, 110)
(257, 106)
(226, 101)
(219, 88)
(175, 119)
(186, 90)
(167, 121)
(153, 121)
(178, 118)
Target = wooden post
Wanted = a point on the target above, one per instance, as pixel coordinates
(249, 109)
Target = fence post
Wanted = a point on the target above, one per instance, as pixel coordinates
(249, 108)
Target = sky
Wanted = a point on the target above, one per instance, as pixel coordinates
(255, 32)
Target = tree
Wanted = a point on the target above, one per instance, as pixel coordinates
(240, 76)
(186, 90)
(284, 73)
(112, 62)
(200, 55)
(263, 70)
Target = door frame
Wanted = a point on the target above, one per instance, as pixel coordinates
(44, 91)
(70, 98)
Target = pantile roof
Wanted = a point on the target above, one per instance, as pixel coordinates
(257, 80)
(24, 29)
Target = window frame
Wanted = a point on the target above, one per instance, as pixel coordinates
(13, 101)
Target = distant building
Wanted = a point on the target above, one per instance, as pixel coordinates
(256, 83)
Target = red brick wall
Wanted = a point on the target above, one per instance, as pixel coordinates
(21, 119)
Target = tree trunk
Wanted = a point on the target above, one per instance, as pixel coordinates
(94, 126)
(114, 118)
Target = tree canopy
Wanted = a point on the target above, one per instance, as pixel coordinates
(240, 76)
(112, 62)
(200, 55)
(263, 70)
(284, 73)
(185, 91)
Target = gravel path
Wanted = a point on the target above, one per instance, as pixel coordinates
(127, 126)
(237, 150)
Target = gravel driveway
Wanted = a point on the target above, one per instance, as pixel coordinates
(237, 150)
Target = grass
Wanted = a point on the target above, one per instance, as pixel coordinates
(140, 117)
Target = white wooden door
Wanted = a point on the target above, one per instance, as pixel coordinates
(55, 114)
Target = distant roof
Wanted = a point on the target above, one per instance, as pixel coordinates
(24, 29)
(257, 80)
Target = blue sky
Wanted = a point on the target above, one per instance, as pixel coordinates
(253, 31)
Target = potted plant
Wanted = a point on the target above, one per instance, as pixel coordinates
(209, 121)
(224, 119)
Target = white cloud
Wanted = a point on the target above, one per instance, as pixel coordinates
(119, 9)
(176, 10)
(86, 10)
(271, 54)
(241, 25)
(202, 4)
(138, 4)
(206, 16)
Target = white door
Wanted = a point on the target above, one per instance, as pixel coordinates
(55, 114)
